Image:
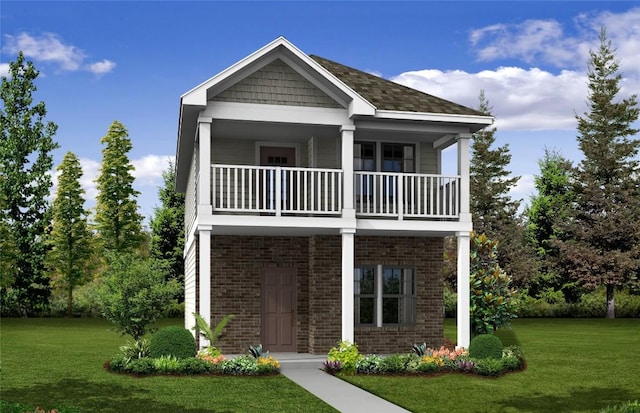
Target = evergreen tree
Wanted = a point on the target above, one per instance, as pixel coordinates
(118, 222)
(548, 210)
(603, 235)
(493, 211)
(26, 145)
(167, 226)
(70, 238)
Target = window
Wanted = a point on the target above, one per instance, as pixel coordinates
(398, 157)
(384, 295)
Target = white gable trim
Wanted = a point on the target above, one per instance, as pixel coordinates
(434, 117)
(280, 48)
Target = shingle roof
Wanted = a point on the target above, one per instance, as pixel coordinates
(387, 95)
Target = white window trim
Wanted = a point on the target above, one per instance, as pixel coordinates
(295, 146)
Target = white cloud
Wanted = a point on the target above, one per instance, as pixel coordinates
(149, 169)
(538, 42)
(4, 69)
(524, 187)
(531, 99)
(50, 48)
(100, 68)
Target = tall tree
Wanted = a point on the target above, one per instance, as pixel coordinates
(26, 145)
(548, 210)
(70, 238)
(167, 227)
(117, 219)
(494, 212)
(603, 242)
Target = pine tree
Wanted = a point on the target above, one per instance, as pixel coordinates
(548, 210)
(603, 245)
(118, 222)
(493, 211)
(167, 226)
(70, 238)
(26, 145)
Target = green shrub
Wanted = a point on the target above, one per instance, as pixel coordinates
(395, 363)
(489, 367)
(511, 363)
(142, 367)
(167, 364)
(172, 341)
(119, 363)
(135, 349)
(6, 407)
(450, 302)
(243, 365)
(370, 364)
(485, 346)
(347, 353)
(629, 407)
(193, 365)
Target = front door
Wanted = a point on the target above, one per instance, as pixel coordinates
(279, 309)
(276, 156)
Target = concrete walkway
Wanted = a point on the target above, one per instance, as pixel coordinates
(305, 371)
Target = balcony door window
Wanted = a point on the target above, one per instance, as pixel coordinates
(276, 156)
(398, 157)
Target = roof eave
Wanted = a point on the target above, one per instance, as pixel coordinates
(479, 120)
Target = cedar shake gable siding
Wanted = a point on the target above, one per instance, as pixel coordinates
(387, 95)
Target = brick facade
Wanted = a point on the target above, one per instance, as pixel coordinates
(236, 268)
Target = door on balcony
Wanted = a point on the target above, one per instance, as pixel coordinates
(276, 156)
(279, 309)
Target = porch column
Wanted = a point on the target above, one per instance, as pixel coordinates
(464, 299)
(204, 268)
(204, 172)
(463, 171)
(347, 132)
(348, 254)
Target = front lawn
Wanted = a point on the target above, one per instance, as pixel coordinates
(59, 363)
(573, 365)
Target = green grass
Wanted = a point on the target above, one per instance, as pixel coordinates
(59, 363)
(573, 365)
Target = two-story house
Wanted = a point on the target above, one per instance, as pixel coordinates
(316, 205)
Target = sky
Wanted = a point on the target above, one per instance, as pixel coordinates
(131, 61)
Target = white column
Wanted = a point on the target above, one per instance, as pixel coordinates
(204, 152)
(348, 254)
(204, 277)
(463, 171)
(347, 132)
(464, 300)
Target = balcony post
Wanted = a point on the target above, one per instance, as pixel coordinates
(348, 260)
(347, 132)
(204, 277)
(463, 172)
(204, 172)
(464, 298)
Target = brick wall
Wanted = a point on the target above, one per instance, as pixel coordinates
(236, 268)
(425, 255)
(237, 262)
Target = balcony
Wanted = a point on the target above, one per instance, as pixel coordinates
(284, 191)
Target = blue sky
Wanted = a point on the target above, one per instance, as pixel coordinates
(131, 61)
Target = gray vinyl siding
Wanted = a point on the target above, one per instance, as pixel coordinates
(233, 151)
(190, 205)
(428, 159)
(277, 84)
(327, 153)
(190, 284)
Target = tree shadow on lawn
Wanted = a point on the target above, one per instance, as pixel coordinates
(508, 337)
(581, 399)
(94, 397)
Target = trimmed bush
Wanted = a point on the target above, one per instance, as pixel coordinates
(485, 346)
(346, 353)
(172, 341)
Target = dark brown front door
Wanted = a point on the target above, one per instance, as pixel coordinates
(279, 309)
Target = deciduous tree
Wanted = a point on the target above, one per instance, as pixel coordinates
(118, 222)
(603, 235)
(26, 145)
(70, 238)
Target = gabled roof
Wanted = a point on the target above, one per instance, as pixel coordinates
(387, 95)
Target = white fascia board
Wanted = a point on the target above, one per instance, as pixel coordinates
(331, 224)
(412, 127)
(407, 227)
(434, 117)
(276, 113)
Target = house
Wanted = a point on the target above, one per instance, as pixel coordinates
(316, 205)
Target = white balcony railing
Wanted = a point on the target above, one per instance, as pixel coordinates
(276, 190)
(400, 195)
